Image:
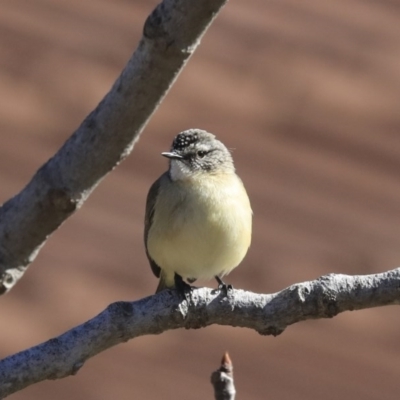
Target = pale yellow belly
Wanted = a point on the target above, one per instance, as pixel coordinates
(202, 231)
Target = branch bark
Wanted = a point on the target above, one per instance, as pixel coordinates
(267, 314)
(170, 36)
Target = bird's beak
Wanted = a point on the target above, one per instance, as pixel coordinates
(172, 156)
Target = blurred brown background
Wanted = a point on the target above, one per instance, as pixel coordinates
(308, 95)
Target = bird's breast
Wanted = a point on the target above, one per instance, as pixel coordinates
(201, 227)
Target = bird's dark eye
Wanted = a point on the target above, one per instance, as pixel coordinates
(201, 153)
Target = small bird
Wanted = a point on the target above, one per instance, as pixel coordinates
(198, 215)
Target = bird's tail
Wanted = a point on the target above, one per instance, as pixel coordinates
(164, 282)
(161, 285)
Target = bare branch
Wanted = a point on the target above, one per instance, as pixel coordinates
(268, 314)
(170, 36)
(222, 380)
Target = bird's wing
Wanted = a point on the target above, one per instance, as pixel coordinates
(148, 220)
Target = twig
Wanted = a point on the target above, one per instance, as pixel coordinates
(222, 380)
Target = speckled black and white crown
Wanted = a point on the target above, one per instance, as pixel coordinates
(190, 137)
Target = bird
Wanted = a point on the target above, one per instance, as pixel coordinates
(198, 218)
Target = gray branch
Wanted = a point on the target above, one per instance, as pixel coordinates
(267, 314)
(170, 36)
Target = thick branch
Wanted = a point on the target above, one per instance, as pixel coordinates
(268, 314)
(170, 36)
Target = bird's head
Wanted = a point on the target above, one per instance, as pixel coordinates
(194, 152)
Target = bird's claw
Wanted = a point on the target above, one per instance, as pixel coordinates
(183, 288)
(223, 287)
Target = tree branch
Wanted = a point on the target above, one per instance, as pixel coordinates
(170, 36)
(267, 314)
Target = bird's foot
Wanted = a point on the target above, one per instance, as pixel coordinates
(223, 287)
(183, 288)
